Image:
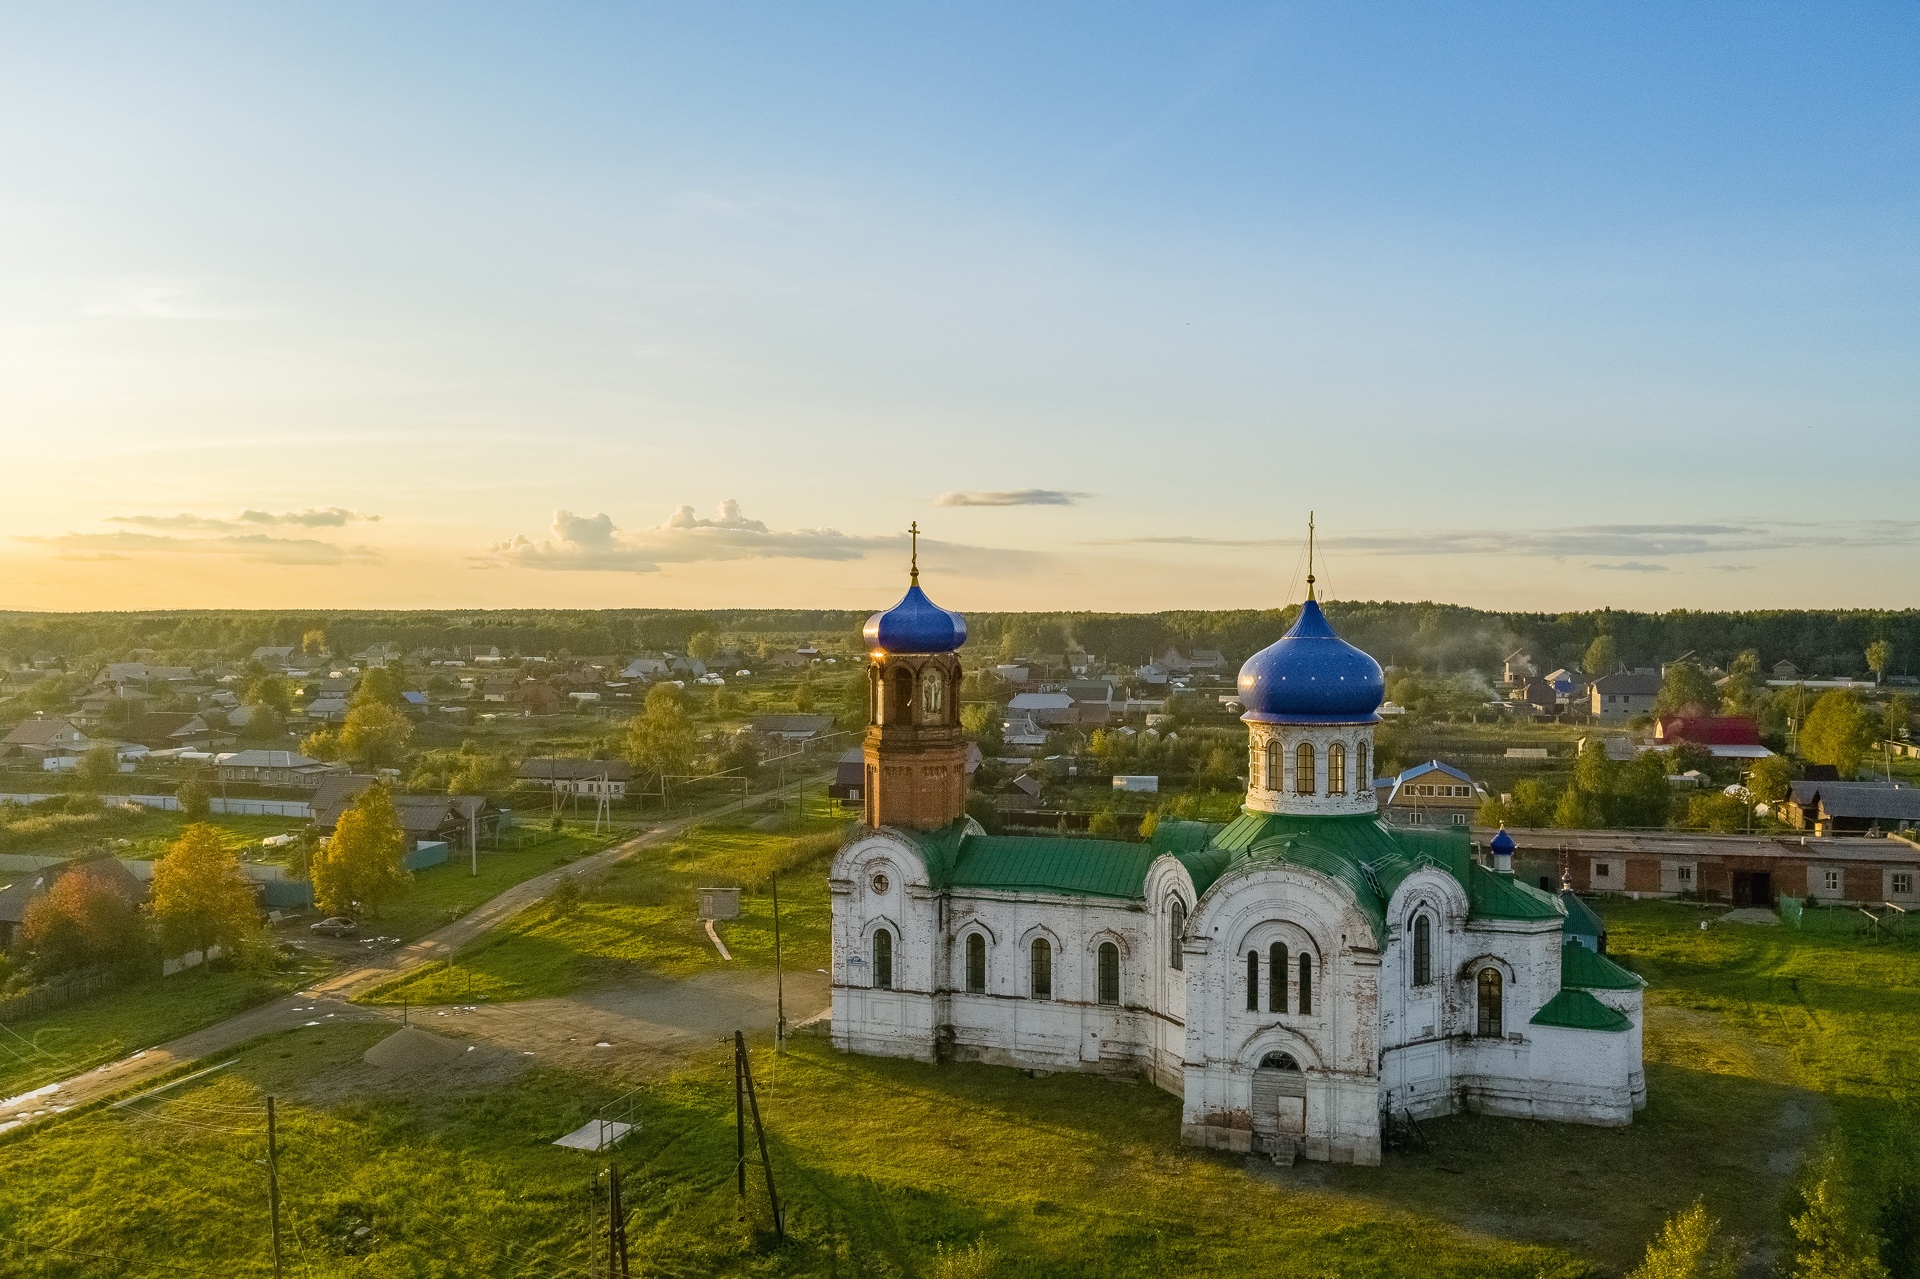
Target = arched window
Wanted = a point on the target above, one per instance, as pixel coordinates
(1271, 764)
(1253, 981)
(1362, 779)
(1422, 951)
(1492, 1020)
(1277, 977)
(1109, 973)
(1303, 778)
(882, 959)
(873, 695)
(1176, 930)
(1279, 1061)
(1306, 983)
(900, 710)
(1040, 974)
(933, 697)
(976, 964)
(1336, 769)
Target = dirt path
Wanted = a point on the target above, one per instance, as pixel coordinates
(650, 1016)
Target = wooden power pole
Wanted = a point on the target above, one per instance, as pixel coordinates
(743, 1086)
(273, 1186)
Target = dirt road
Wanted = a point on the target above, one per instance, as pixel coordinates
(654, 1017)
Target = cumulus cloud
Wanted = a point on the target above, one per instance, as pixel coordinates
(312, 517)
(258, 547)
(1011, 497)
(593, 542)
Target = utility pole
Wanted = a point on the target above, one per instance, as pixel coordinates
(616, 1228)
(740, 1113)
(273, 1186)
(743, 1075)
(779, 985)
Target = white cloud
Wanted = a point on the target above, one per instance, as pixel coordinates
(312, 517)
(592, 542)
(1632, 566)
(1012, 497)
(258, 547)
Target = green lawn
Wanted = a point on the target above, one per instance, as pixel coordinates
(90, 1032)
(1763, 1044)
(440, 894)
(641, 916)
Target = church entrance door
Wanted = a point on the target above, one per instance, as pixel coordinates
(1279, 1098)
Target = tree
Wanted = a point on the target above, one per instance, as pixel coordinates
(480, 773)
(1897, 718)
(1221, 768)
(1685, 688)
(1688, 1247)
(1879, 657)
(375, 734)
(314, 643)
(265, 725)
(1746, 687)
(361, 863)
(196, 801)
(1602, 656)
(1770, 779)
(83, 920)
(1838, 731)
(1149, 824)
(1530, 805)
(1828, 1244)
(380, 686)
(981, 722)
(1716, 811)
(269, 690)
(855, 699)
(803, 696)
(98, 769)
(703, 646)
(660, 738)
(200, 897)
(1113, 749)
(1104, 823)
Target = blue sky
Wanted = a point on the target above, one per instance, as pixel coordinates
(340, 305)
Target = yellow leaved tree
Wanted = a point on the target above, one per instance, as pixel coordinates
(360, 865)
(200, 897)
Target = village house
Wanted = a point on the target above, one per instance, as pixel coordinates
(593, 777)
(1724, 736)
(1624, 694)
(275, 768)
(44, 737)
(1851, 808)
(1432, 794)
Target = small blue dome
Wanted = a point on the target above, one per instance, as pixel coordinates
(1502, 843)
(915, 625)
(1311, 676)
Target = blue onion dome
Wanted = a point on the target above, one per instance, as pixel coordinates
(1502, 843)
(1311, 676)
(915, 625)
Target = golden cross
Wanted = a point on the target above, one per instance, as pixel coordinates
(1309, 554)
(914, 529)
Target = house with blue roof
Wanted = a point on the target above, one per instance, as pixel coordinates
(1294, 975)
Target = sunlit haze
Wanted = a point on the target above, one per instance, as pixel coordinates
(362, 305)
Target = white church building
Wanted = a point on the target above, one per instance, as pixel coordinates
(1299, 976)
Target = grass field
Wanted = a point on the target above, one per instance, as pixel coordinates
(440, 894)
(641, 916)
(105, 1027)
(1764, 1044)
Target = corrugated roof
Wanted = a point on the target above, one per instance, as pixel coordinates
(1495, 896)
(1053, 863)
(1577, 1010)
(1588, 970)
(1582, 919)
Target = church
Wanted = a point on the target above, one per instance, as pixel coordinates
(1300, 976)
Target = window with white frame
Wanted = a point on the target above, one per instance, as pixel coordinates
(1831, 880)
(1902, 883)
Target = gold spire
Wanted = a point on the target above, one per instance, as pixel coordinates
(1309, 554)
(914, 529)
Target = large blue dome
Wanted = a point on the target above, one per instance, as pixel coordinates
(915, 625)
(1311, 676)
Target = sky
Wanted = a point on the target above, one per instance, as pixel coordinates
(391, 305)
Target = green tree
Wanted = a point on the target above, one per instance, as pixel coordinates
(1529, 804)
(1685, 688)
(1688, 1247)
(98, 769)
(703, 646)
(803, 695)
(265, 725)
(381, 686)
(1113, 749)
(480, 773)
(1149, 824)
(854, 699)
(1746, 686)
(660, 738)
(1770, 779)
(1896, 720)
(314, 643)
(1879, 658)
(321, 743)
(1828, 1243)
(361, 863)
(269, 690)
(1838, 731)
(981, 722)
(1221, 768)
(1602, 656)
(196, 799)
(1716, 811)
(1104, 823)
(199, 897)
(375, 735)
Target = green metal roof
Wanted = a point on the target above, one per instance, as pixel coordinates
(1577, 1010)
(1495, 896)
(1053, 863)
(1582, 919)
(1584, 969)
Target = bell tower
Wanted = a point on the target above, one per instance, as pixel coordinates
(916, 755)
